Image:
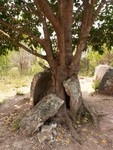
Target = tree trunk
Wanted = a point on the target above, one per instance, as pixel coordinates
(78, 107)
(68, 89)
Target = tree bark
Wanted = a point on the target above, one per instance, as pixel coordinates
(78, 106)
(74, 107)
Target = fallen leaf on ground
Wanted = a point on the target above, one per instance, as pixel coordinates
(104, 141)
(84, 129)
(59, 138)
(68, 141)
(96, 142)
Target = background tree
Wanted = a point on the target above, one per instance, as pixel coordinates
(66, 27)
(102, 33)
(22, 60)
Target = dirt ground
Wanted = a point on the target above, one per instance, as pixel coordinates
(14, 108)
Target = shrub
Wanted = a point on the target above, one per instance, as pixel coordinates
(96, 85)
(4, 64)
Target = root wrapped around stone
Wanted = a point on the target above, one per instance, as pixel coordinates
(78, 106)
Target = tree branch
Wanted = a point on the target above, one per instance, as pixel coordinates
(46, 43)
(67, 26)
(83, 35)
(87, 21)
(98, 10)
(40, 41)
(48, 12)
(46, 9)
(45, 29)
(43, 66)
(48, 49)
(4, 33)
(34, 52)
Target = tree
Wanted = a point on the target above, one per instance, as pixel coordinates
(22, 60)
(102, 34)
(66, 26)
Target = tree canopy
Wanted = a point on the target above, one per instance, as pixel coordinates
(102, 33)
(27, 23)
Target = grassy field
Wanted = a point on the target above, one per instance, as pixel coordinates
(10, 86)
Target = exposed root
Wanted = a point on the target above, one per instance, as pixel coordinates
(78, 106)
(92, 112)
(71, 127)
(92, 116)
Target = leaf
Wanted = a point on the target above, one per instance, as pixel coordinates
(68, 141)
(84, 129)
(96, 142)
(104, 141)
(59, 138)
(78, 122)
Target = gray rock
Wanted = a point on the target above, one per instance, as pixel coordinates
(18, 144)
(41, 86)
(46, 132)
(100, 70)
(45, 109)
(44, 136)
(53, 125)
(33, 84)
(46, 128)
(72, 88)
(106, 84)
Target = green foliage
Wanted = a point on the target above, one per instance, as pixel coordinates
(4, 101)
(11, 82)
(16, 123)
(20, 81)
(18, 63)
(103, 31)
(4, 64)
(91, 59)
(96, 85)
(94, 58)
(13, 73)
(21, 21)
(35, 68)
(107, 56)
(21, 16)
(89, 62)
(24, 16)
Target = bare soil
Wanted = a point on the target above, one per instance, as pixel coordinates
(15, 107)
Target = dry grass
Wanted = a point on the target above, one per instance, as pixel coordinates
(9, 86)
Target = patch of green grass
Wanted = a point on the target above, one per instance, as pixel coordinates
(5, 85)
(96, 85)
(16, 124)
(3, 101)
(21, 81)
(9, 83)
